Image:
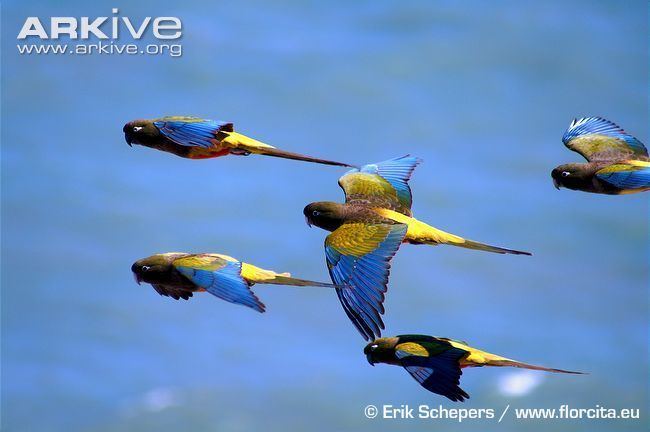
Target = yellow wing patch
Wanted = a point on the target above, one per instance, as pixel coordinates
(360, 186)
(617, 168)
(357, 239)
(596, 146)
(371, 185)
(209, 262)
(413, 348)
(630, 165)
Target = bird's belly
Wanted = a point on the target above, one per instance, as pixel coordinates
(206, 153)
(196, 152)
(631, 191)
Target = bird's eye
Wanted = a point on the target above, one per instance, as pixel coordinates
(145, 268)
(315, 213)
(374, 347)
(566, 173)
(137, 128)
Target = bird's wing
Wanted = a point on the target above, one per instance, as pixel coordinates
(628, 175)
(598, 139)
(358, 258)
(384, 184)
(169, 291)
(439, 373)
(219, 277)
(191, 131)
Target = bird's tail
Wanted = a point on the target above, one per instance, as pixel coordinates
(423, 233)
(239, 143)
(469, 244)
(477, 358)
(512, 363)
(286, 279)
(296, 156)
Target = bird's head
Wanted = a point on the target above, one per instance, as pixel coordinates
(154, 269)
(326, 215)
(381, 350)
(141, 132)
(574, 176)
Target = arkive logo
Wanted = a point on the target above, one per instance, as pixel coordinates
(164, 28)
(114, 35)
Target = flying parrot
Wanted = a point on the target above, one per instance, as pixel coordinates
(617, 163)
(367, 231)
(436, 363)
(197, 138)
(178, 275)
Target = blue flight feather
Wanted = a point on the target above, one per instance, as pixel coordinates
(439, 373)
(397, 172)
(364, 281)
(631, 179)
(601, 126)
(225, 283)
(191, 134)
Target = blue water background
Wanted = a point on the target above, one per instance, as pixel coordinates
(482, 91)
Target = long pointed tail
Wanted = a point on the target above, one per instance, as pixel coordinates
(422, 233)
(296, 156)
(242, 143)
(287, 280)
(513, 363)
(469, 244)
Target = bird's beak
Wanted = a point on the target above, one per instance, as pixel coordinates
(556, 184)
(307, 222)
(369, 358)
(128, 140)
(137, 278)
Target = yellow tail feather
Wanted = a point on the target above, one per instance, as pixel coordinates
(422, 233)
(245, 145)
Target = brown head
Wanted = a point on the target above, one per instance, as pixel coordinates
(325, 214)
(142, 132)
(576, 176)
(156, 269)
(381, 350)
